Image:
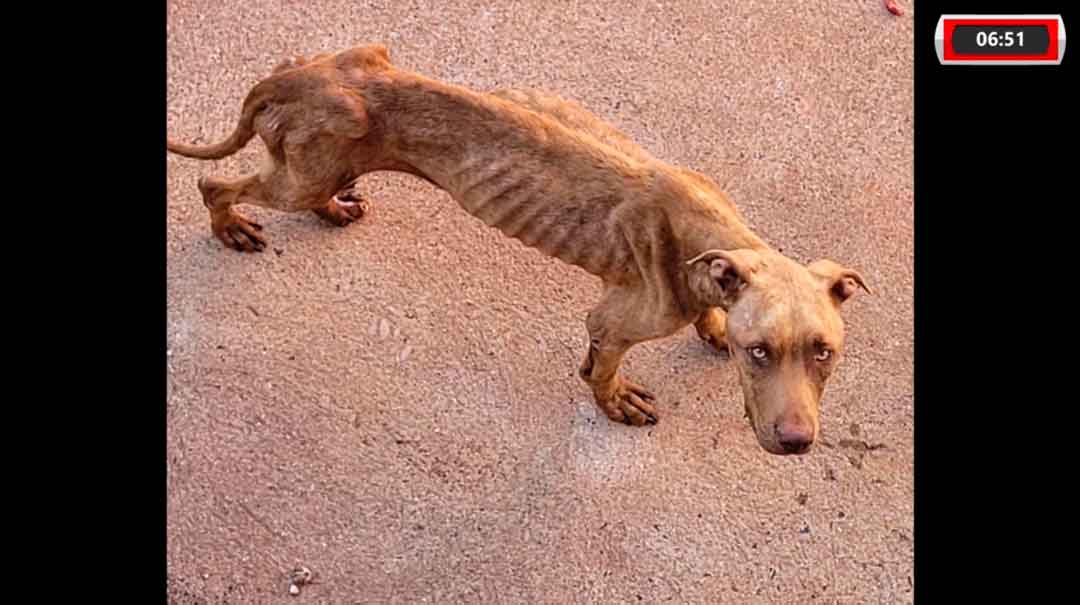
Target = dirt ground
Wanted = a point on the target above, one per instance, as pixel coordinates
(395, 404)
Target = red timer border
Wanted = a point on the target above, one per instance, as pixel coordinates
(1051, 53)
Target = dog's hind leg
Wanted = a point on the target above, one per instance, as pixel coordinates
(346, 206)
(275, 191)
(295, 180)
(232, 228)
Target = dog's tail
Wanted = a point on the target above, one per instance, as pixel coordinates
(245, 130)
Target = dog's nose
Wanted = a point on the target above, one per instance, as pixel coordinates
(794, 438)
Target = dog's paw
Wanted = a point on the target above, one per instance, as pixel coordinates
(237, 232)
(344, 208)
(630, 404)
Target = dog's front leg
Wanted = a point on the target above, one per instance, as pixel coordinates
(622, 319)
(621, 400)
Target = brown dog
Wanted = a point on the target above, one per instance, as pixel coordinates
(670, 247)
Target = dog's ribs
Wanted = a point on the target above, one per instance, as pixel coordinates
(551, 202)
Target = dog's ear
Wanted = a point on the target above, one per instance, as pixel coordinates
(840, 281)
(718, 276)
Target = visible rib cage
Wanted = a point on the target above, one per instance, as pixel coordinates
(575, 229)
(553, 187)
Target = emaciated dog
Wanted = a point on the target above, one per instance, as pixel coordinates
(669, 246)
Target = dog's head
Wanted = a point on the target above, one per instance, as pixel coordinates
(784, 332)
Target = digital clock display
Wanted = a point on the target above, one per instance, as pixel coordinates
(1000, 39)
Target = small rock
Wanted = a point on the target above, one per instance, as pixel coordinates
(384, 329)
(301, 576)
(404, 354)
(294, 589)
(279, 251)
(801, 499)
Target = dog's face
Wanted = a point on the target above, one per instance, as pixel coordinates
(785, 334)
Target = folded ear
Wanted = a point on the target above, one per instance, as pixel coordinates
(719, 275)
(839, 280)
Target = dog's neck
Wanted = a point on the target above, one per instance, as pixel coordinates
(707, 219)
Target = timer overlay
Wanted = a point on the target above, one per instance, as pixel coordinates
(1001, 40)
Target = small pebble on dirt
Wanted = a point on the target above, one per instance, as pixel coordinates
(301, 576)
(801, 499)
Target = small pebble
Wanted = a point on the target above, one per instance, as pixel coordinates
(294, 589)
(301, 576)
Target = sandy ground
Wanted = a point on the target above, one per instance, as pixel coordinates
(394, 404)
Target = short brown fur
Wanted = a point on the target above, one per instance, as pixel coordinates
(669, 246)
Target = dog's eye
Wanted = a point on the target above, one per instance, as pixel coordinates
(823, 355)
(759, 353)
